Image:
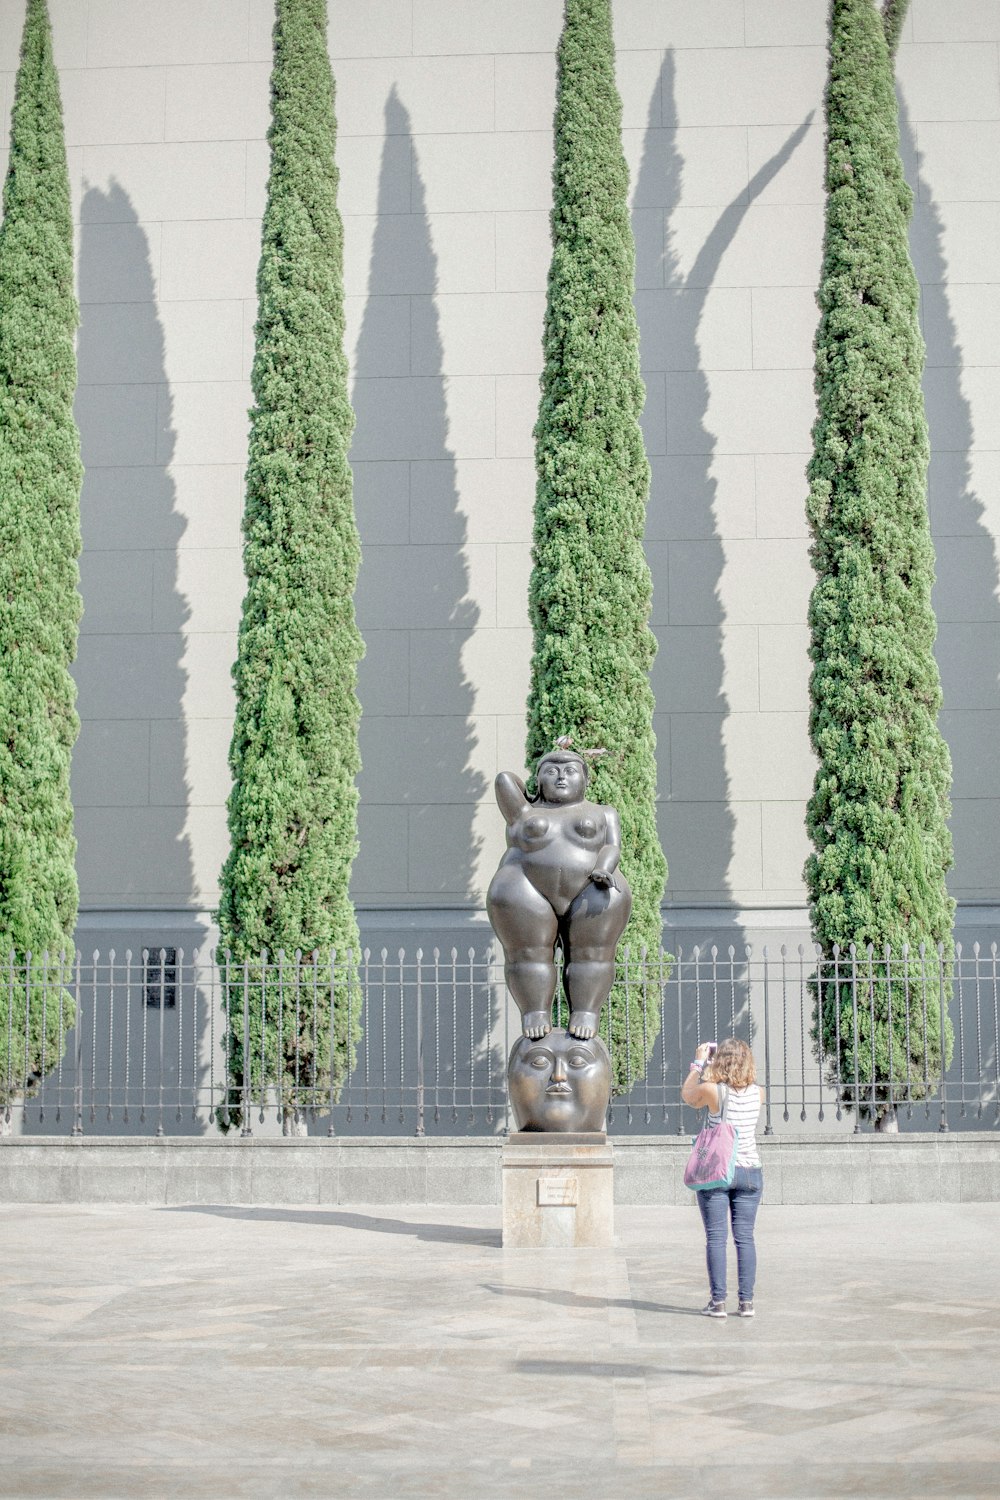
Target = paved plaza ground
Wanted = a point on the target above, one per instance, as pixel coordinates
(400, 1352)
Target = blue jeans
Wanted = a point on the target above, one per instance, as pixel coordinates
(742, 1200)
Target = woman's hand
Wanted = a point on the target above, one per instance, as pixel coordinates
(704, 1052)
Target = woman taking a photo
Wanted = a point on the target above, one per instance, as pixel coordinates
(730, 1068)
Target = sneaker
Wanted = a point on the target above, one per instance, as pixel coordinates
(713, 1309)
(746, 1308)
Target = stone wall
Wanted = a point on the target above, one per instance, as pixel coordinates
(445, 151)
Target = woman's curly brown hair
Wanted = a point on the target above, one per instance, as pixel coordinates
(732, 1063)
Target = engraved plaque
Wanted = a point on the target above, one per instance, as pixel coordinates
(557, 1192)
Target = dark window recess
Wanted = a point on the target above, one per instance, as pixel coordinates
(161, 977)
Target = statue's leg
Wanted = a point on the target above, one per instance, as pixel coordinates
(527, 926)
(591, 930)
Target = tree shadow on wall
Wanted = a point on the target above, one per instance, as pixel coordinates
(967, 589)
(130, 760)
(704, 830)
(416, 726)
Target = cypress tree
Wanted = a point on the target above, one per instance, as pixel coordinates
(40, 478)
(590, 586)
(879, 810)
(294, 755)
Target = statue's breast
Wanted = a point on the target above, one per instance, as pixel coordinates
(535, 828)
(586, 828)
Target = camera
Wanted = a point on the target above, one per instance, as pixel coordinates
(711, 1047)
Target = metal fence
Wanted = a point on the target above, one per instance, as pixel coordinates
(147, 1053)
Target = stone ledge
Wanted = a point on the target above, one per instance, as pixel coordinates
(923, 1167)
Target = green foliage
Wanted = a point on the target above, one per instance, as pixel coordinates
(40, 477)
(294, 755)
(590, 585)
(893, 16)
(879, 810)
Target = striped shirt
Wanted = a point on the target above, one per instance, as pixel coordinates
(741, 1113)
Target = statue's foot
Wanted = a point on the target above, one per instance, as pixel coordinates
(583, 1024)
(536, 1023)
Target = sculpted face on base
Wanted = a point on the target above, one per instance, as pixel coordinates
(559, 1083)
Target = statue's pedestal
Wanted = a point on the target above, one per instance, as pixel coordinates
(557, 1191)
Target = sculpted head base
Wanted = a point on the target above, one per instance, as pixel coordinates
(559, 1083)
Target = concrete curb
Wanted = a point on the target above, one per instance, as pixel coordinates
(804, 1169)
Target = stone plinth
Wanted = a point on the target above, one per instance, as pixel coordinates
(558, 1191)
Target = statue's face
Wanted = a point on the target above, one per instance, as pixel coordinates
(561, 780)
(559, 1083)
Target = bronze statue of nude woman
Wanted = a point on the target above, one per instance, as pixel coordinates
(558, 885)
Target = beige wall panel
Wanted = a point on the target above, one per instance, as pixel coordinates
(784, 667)
(781, 493)
(962, 323)
(785, 847)
(785, 320)
(118, 424)
(384, 672)
(423, 761)
(766, 757)
(117, 589)
(968, 655)
(674, 23)
(204, 260)
(203, 423)
(219, 103)
(956, 20)
(426, 588)
(523, 250)
(198, 590)
(768, 85)
(486, 26)
(382, 503)
(964, 493)
(484, 334)
(786, 166)
(960, 159)
(445, 663)
(380, 870)
(950, 81)
(696, 329)
(705, 669)
(711, 847)
(968, 244)
(439, 94)
(513, 563)
(516, 414)
(786, 23)
(111, 763)
(116, 865)
(379, 28)
(695, 495)
(474, 500)
(174, 180)
(146, 32)
(966, 587)
(975, 826)
(973, 737)
(188, 762)
(696, 167)
(104, 106)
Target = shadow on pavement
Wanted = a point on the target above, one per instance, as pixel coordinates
(452, 1234)
(579, 1299)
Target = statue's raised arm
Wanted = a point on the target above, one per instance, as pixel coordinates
(512, 797)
